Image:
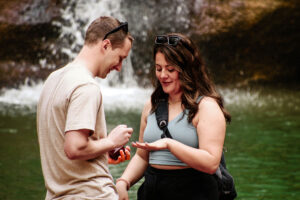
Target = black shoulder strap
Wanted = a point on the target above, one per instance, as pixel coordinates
(162, 117)
(222, 162)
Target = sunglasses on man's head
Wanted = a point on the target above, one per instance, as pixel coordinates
(170, 40)
(123, 26)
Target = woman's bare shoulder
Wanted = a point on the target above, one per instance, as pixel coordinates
(209, 107)
(147, 108)
(208, 102)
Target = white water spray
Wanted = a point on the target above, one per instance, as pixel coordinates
(123, 94)
(126, 93)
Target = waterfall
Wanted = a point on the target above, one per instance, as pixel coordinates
(119, 89)
(146, 19)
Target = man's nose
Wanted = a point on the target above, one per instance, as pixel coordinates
(119, 67)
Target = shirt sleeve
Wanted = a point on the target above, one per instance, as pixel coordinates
(83, 107)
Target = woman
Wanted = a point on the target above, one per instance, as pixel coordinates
(182, 167)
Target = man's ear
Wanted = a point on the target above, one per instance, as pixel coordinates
(106, 44)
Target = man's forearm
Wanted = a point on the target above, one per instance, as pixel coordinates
(79, 146)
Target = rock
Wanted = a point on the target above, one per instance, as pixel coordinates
(243, 42)
(27, 33)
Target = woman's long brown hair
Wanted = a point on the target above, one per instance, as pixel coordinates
(194, 77)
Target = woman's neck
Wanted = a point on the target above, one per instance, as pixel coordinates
(173, 99)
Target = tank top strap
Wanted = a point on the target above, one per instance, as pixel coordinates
(199, 99)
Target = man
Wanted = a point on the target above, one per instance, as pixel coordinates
(70, 118)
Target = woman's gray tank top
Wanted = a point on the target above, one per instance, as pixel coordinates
(180, 130)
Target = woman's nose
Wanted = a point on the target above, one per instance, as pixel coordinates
(163, 74)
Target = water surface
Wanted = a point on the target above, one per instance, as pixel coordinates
(262, 145)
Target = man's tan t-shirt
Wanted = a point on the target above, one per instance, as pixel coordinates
(71, 100)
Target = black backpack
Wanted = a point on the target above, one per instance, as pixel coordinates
(224, 179)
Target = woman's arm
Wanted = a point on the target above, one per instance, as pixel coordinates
(211, 127)
(138, 164)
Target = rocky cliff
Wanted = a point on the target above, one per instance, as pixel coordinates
(243, 42)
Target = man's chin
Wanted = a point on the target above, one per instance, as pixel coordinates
(102, 76)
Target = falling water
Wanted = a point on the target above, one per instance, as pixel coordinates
(77, 15)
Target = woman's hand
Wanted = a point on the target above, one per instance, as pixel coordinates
(122, 191)
(122, 157)
(154, 146)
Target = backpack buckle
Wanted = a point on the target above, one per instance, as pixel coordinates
(162, 124)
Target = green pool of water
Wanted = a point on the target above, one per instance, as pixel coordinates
(262, 146)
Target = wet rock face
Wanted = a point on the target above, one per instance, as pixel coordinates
(28, 11)
(242, 41)
(250, 41)
(26, 28)
(27, 33)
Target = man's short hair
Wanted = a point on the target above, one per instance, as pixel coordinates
(101, 26)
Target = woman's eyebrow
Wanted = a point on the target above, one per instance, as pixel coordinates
(167, 65)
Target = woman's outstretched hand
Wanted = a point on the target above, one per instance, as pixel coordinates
(154, 146)
(122, 157)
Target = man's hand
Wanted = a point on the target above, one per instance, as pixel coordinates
(123, 156)
(120, 135)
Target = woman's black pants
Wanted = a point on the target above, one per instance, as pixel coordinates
(182, 184)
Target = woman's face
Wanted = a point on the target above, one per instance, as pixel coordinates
(167, 75)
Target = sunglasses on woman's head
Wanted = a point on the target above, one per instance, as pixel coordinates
(170, 40)
(123, 26)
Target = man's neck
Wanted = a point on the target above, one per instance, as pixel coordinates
(86, 58)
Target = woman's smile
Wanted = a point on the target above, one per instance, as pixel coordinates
(167, 75)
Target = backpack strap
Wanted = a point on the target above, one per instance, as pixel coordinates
(162, 117)
(199, 99)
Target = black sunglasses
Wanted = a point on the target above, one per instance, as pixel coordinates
(123, 26)
(170, 40)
